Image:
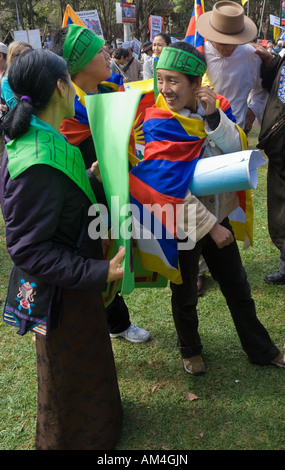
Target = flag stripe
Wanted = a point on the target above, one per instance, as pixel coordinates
(175, 180)
(148, 229)
(192, 36)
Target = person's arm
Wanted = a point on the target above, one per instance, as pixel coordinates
(258, 95)
(205, 220)
(36, 210)
(269, 67)
(220, 129)
(148, 69)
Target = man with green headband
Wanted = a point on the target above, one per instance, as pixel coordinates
(89, 66)
(189, 122)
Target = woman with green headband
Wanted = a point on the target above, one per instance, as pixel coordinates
(190, 122)
(45, 196)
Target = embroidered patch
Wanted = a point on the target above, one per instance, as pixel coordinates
(26, 295)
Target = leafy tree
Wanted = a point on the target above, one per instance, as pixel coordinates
(47, 15)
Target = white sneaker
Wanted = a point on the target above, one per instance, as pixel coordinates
(133, 334)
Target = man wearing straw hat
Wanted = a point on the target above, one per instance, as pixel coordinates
(232, 65)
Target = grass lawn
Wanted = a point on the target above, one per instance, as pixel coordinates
(234, 406)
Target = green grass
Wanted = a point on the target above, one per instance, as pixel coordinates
(239, 406)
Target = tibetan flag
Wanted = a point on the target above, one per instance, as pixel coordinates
(77, 129)
(114, 83)
(137, 142)
(192, 35)
(70, 17)
(159, 183)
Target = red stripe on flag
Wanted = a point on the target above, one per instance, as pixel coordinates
(163, 150)
(166, 206)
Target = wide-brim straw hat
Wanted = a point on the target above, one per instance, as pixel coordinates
(226, 24)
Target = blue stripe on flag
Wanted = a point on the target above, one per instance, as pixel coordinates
(167, 243)
(173, 131)
(178, 176)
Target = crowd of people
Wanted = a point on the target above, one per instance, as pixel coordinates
(49, 178)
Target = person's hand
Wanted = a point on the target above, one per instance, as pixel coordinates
(207, 96)
(115, 267)
(249, 120)
(265, 55)
(96, 172)
(221, 235)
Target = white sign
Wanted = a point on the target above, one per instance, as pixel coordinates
(92, 21)
(156, 25)
(274, 20)
(32, 36)
(136, 45)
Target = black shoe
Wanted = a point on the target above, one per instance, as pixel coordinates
(277, 278)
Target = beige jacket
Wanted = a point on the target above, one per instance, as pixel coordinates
(214, 208)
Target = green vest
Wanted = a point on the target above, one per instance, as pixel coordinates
(41, 144)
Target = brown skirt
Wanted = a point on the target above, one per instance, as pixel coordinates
(79, 405)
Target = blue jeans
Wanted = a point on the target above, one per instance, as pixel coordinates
(226, 268)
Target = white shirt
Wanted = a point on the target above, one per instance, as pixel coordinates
(238, 79)
(148, 68)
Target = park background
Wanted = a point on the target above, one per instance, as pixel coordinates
(234, 406)
(47, 15)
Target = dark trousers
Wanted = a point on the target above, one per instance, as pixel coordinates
(226, 268)
(118, 316)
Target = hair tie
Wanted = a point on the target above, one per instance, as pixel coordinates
(27, 98)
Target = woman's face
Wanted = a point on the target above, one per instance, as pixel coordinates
(157, 45)
(176, 89)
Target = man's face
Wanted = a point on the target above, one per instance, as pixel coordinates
(99, 68)
(225, 50)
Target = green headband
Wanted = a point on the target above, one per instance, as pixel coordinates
(181, 61)
(80, 46)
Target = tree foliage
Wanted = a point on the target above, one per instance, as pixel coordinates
(47, 15)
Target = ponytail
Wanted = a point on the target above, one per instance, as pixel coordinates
(17, 120)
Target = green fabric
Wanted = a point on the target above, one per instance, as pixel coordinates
(155, 89)
(80, 46)
(181, 61)
(111, 117)
(43, 145)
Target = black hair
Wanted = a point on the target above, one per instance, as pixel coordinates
(185, 46)
(57, 41)
(34, 74)
(121, 52)
(165, 36)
